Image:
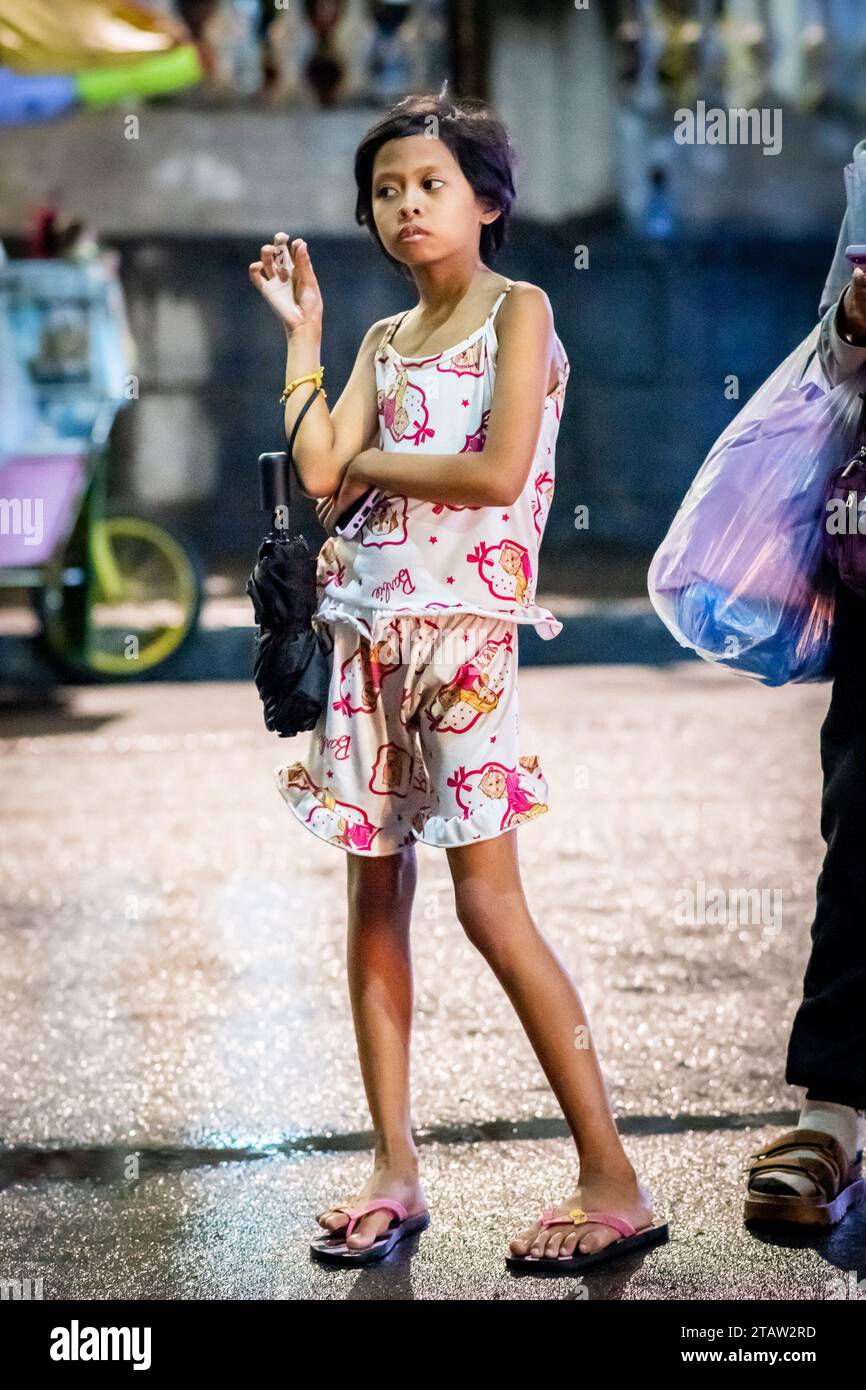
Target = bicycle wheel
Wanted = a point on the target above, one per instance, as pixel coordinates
(129, 607)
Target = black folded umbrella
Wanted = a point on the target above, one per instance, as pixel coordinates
(292, 660)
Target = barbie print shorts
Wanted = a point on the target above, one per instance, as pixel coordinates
(419, 739)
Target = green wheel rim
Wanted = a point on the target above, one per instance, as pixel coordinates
(142, 600)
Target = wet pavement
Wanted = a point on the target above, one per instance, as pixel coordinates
(179, 1089)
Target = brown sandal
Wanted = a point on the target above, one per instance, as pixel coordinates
(839, 1182)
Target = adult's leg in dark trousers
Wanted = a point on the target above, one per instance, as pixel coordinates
(827, 1047)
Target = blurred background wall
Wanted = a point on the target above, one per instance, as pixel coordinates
(702, 260)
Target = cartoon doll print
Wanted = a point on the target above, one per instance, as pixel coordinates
(419, 649)
(543, 499)
(384, 654)
(469, 362)
(329, 568)
(403, 407)
(477, 787)
(337, 821)
(557, 395)
(395, 417)
(505, 568)
(391, 771)
(514, 560)
(475, 442)
(362, 673)
(396, 771)
(419, 643)
(510, 785)
(440, 507)
(474, 690)
(357, 835)
(419, 819)
(386, 524)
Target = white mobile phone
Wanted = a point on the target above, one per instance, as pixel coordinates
(353, 517)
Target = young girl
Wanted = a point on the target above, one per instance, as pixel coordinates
(452, 411)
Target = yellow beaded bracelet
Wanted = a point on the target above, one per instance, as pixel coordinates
(315, 376)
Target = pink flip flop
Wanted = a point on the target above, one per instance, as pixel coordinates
(630, 1239)
(332, 1246)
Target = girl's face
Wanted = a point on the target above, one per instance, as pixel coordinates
(417, 180)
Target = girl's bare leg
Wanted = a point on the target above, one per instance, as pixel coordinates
(380, 892)
(493, 911)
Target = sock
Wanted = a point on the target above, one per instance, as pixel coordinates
(845, 1124)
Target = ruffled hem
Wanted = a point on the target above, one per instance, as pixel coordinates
(439, 832)
(446, 832)
(368, 620)
(303, 805)
(449, 832)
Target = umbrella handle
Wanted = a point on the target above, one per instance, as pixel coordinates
(275, 475)
(275, 488)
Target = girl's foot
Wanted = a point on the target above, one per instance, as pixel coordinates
(627, 1198)
(384, 1181)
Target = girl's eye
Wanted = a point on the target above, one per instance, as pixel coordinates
(386, 187)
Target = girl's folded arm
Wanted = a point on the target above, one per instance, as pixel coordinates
(494, 476)
(339, 435)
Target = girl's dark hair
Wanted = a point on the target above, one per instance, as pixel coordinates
(475, 136)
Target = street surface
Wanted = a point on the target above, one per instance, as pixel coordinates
(179, 1090)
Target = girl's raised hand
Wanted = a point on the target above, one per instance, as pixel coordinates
(286, 278)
